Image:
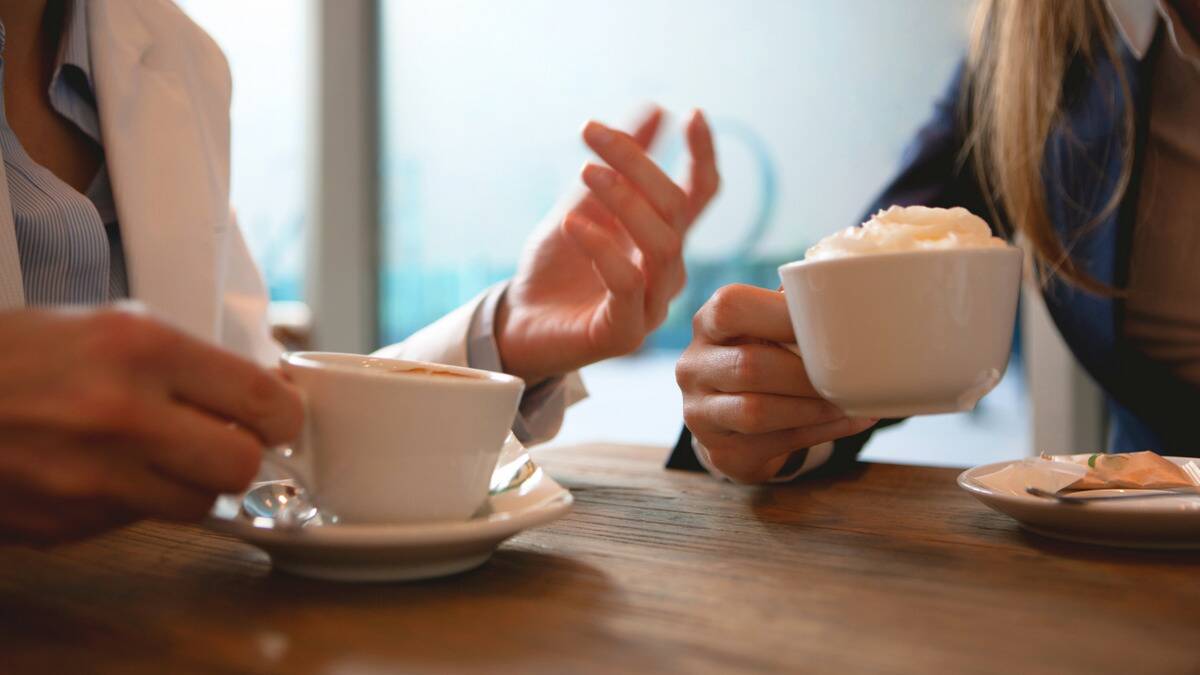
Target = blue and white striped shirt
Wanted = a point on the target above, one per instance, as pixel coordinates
(69, 243)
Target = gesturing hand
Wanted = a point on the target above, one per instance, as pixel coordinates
(595, 283)
(107, 417)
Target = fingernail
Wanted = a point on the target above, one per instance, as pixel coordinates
(597, 133)
(597, 176)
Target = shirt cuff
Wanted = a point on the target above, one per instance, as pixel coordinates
(800, 462)
(542, 406)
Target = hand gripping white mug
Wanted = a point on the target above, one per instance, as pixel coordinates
(390, 441)
(910, 314)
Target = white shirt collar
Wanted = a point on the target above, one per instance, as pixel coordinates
(1138, 19)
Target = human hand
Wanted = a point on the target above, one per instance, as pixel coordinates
(597, 281)
(107, 417)
(747, 398)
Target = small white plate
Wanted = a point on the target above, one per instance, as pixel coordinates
(1159, 523)
(402, 552)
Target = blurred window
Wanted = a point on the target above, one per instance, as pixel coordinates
(812, 103)
(267, 43)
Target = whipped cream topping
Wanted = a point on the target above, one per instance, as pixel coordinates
(908, 228)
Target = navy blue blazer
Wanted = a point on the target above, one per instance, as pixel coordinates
(1149, 407)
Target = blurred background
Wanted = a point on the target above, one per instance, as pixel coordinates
(470, 136)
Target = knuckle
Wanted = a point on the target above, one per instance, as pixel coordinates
(259, 399)
(750, 415)
(128, 337)
(677, 209)
(745, 367)
(108, 407)
(729, 459)
(656, 314)
(241, 464)
(680, 281)
(718, 311)
(671, 247)
(629, 342)
(624, 200)
(687, 369)
(695, 417)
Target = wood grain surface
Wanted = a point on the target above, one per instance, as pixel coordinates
(889, 569)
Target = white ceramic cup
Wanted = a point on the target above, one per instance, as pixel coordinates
(389, 441)
(908, 333)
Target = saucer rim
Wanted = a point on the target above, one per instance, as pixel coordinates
(553, 504)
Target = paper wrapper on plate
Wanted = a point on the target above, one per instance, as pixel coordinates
(1131, 470)
(1035, 472)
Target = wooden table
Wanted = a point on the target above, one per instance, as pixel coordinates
(891, 569)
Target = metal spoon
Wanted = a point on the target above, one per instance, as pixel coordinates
(283, 503)
(286, 505)
(1072, 498)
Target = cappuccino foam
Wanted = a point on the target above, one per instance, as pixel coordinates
(908, 228)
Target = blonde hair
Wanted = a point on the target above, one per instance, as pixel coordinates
(1019, 57)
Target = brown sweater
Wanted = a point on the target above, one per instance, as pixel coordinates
(1162, 317)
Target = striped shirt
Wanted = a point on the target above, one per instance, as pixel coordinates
(69, 243)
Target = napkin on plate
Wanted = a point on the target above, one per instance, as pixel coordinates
(1050, 476)
(1092, 471)
(1133, 470)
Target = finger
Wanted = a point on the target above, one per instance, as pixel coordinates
(623, 153)
(752, 413)
(753, 458)
(752, 367)
(645, 131)
(623, 328)
(647, 127)
(197, 449)
(33, 517)
(148, 493)
(703, 178)
(740, 311)
(617, 272)
(235, 389)
(658, 241)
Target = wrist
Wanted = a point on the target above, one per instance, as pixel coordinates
(507, 332)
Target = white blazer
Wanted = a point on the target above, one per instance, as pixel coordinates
(163, 91)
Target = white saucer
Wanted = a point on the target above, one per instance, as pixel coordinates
(364, 552)
(1160, 523)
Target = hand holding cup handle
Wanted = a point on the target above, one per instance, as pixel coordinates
(747, 394)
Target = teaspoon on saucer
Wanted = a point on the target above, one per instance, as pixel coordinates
(286, 505)
(1073, 498)
(283, 503)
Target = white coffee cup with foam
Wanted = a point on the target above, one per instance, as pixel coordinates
(390, 441)
(910, 314)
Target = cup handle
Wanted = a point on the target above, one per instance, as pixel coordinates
(293, 461)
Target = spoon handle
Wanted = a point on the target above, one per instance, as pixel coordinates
(1080, 499)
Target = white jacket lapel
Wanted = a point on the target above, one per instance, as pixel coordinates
(167, 162)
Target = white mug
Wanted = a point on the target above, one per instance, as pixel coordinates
(390, 441)
(908, 333)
